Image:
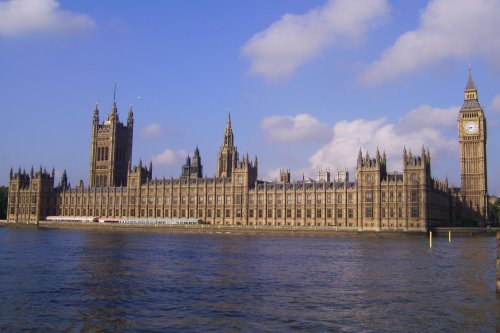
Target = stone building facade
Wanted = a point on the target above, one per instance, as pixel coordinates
(411, 200)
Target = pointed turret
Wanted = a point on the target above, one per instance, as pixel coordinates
(11, 174)
(64, 180)
(95, 118)
(470, 92)
(150, 169)
(130, 118)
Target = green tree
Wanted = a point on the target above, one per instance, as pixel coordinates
(3, 202)
(494, 212)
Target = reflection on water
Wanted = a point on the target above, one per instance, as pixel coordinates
(115, 281)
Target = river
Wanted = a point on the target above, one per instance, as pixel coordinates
(55, 280)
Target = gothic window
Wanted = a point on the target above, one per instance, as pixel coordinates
(383, 197)
(414, 196)
(278, 199)
(350, 213)
(369, 178)
(414, 212)
(339, 213)
(200, 199)
(278, 213)
(250, 213)
(209, 213)
(369, 212)
(218, 212)
(228, 213)
(228, 200)
(369, 196)
(329, 198)
(251, 199)
(309, 199)
(299, 213)
(191, 199)
(261, 199)
(318, 213)
(340, 196)
(269, 213)
(289, 199)
(200, 212)
(319, 198)
(191, 213)
(308, 213)
(400, 212)
(391, 196)
(238, 213)
(413, 177)
(349, 198)
(269, 199)
(260, 212)
(238, 199)
(219, 200)
(400, 197)
(288, 213)
(329, 213)
(209, 199)
(106, 156)
(183, 213)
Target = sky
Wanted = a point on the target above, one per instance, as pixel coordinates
(308, 83)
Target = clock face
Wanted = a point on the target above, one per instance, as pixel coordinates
(471, 127)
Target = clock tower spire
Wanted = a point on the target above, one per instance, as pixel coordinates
(472, 139)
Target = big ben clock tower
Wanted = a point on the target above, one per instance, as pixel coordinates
(472, 138)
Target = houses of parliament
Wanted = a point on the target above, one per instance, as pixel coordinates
(411, 200)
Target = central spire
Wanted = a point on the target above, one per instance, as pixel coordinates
(228, 133)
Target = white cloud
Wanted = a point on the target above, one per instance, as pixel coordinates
(449, 29)
(18, 17)
(413, 130)
(295, 39)
(153, 131)
(169, 157)
(288, 129)
(495, 104)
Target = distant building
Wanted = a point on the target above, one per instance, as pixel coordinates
(375, 200)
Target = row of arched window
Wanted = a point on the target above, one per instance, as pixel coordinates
(101, 180)
(102, 153)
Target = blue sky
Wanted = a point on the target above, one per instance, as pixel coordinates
(308, 83)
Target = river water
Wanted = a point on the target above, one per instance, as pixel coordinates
(121, 281)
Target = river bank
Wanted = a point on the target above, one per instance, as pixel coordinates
(241, 230)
